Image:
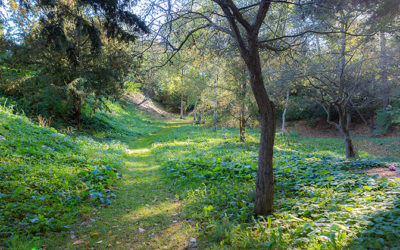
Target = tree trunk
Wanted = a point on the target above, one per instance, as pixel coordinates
(344, 128)
(350, 152)
(181, 106)
(202, 114)
(284, 113)
(265, 177)
(215, 105)
(384, 72)
(181, 116)
(242, 127)
(198, 119)
(194, 113)
(242, 119)
(77, 103)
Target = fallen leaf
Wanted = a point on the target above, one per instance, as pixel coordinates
(169, 229)
(78, 242)
(99, 242)
(94, 234)
(141, 230)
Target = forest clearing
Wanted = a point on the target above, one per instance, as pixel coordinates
(187, 124)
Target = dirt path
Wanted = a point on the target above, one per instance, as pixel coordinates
(145, 215)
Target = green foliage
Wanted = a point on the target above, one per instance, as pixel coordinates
(302, 108)
(321, 199)
(386, 117)
(49, 179)
(118, 124)
(71, 56)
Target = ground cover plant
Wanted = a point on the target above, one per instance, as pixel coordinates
(322, 200)
(50, 180)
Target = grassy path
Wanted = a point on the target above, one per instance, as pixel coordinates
(144, 215)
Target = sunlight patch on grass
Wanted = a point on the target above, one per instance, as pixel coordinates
(151, 209)
(138, 151)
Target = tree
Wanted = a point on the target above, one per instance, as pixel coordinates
(239, 104)
(85, 37)
(245, 30)
(252, 26)
(337, 67)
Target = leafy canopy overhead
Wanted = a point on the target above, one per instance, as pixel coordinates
(116, 20)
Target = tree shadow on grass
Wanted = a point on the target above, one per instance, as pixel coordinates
(382, 230)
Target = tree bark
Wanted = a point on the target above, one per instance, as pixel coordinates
(202, 114)
(265, 177)
(284, 113)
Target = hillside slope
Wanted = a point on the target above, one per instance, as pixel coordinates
(50, 179)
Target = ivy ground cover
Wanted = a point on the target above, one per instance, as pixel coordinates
(321, 200)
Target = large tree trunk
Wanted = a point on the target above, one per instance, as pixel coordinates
(284, 113)
(264, 199)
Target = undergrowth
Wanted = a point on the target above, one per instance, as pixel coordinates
(321, 199)
(50, 180)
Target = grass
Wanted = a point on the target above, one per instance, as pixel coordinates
(143, 202)
(181, 182)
